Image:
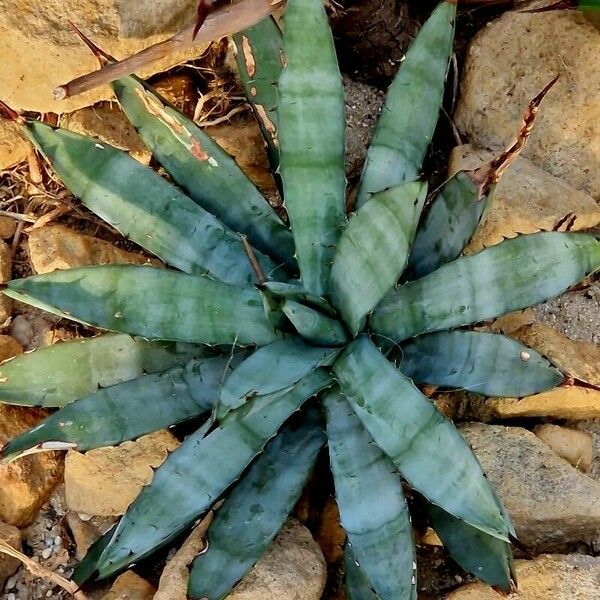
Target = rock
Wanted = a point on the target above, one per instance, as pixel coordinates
(8, 227)
(8, 565)
(527, 200)
(13, 146)
(243, 140)
(31, 331)
(551, 503)
(130, 586)
(105, 481)
(572, 445)
(58, 247)
(556, 577)
(292, 569)
(508, 63)
(570, 402)
(55, 55)
(9, 347)
(6, 303)
(26, 483)
(580, 360)
(84, 534)
(180, 90)
(107, 122)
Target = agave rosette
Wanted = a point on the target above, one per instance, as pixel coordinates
(258, 320)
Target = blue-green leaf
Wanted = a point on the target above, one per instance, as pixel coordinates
(510, 276)
(129, 410)
(273, 368)
(372, 506)
(153, 303)
(421, 442)
(196, 474)
(410, 114)
(486, 363)
(449, 224)
(256, 509)
(259, 51)
(373, 251)
(311, 139)
(61, 373)
(478, 553)
(146, 208)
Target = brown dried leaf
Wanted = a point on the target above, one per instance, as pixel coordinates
(174, 579)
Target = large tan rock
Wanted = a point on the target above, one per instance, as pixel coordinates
(527, 200)
(105, 481)
(571, 444)
(292, 569)
(130, 586)
(549, 577)
(13, 146)
(8, 565)
(509, 62)
(551, 503)
(571, 402)
(26, 483)
(45, 52)
(58, 247)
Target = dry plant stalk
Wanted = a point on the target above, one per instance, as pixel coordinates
(218, 24)
(174, 579)
(39, 571)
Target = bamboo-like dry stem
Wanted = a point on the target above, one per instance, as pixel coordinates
(225, 21)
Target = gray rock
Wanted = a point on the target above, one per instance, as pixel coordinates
(292, 569)
(551, 503)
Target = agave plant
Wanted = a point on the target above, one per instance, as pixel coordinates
(261, 321)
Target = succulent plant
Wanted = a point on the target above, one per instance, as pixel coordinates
(335, 317)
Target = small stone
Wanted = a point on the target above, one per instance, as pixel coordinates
(571, 444)
(551, 504)
(130, 586)
(26, 483)
(8, 565)
(46, 553)
(32, 330)
(242, 139)
(292, 569)
(58, 247)
(105, 481)
(107, 122)
(508, 63)
(13, 146)
(527, 200)
(548, 577)
(8, 227)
